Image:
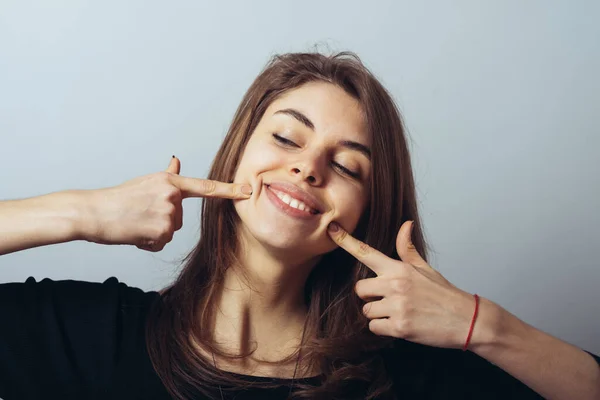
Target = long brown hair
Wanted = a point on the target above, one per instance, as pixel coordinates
(340, 343)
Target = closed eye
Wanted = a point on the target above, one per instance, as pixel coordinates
(340, 167)
(284, 140)
(346, 170)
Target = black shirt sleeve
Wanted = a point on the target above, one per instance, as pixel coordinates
(63, 339)
(426, 372)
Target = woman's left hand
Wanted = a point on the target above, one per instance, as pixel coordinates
(416, 302)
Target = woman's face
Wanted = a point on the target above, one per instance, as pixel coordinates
(308, 162)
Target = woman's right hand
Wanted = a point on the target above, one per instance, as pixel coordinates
(146, 211)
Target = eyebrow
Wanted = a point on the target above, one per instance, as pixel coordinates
(350, 144)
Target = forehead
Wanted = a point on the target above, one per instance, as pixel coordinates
(331, 110)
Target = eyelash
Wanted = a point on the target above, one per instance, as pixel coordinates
(345, 170)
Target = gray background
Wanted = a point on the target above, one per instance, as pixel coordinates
(501, 100)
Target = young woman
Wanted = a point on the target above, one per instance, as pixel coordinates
(310, 279)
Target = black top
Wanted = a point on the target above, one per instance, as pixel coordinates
(84, 340)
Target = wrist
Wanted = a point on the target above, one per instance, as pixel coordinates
(487, 329)
(77, 213)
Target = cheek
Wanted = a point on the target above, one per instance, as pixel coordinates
(257, 157)
(349, 206)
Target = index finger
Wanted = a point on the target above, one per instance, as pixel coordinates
(195, 187)
(372, 258)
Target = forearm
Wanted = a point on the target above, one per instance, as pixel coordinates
(551, 367)
(43, 220)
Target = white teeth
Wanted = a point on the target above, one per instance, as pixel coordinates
(287, 199)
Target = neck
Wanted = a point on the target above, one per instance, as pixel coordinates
(262, 299)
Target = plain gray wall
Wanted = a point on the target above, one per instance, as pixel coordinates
(501, 100)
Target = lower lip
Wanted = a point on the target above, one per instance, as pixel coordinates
(289, 210)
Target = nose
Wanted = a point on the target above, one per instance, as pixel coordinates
(310, 178)
(308, 172)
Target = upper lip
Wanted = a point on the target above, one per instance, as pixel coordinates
(299, 194)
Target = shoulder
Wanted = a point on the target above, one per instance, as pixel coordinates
(67, 297)
(66, 335)
(50, 289)
(74, 302)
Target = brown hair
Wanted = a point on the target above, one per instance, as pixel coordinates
(340, 345)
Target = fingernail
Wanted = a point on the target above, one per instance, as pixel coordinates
(333, 227)
(247, 189)
(173, 157)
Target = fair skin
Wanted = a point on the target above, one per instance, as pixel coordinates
(414, 300)
(278, 250)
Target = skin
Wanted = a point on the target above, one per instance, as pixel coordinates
(413, 301)
(279, 251)
(416, 303)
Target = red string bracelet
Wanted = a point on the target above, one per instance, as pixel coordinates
(472, 322)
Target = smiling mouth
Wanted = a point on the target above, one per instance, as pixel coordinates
(292, 202)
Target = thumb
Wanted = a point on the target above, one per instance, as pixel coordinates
(405, 247)
(174, 166)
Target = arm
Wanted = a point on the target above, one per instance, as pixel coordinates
(551, 367)
(416, 299)
(43, 220)
(144, 211)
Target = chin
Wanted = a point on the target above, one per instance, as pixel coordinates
(261, 225)
(281, 242)
(277, 239)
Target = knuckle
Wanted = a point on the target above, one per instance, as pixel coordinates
(164, 237)
(399, 308)
(372, 325)
(364, 249)
(156, 234)
(163, 175)
(208, 186)
(156, 248)
(171, 209)
(161, 245)
(144, 243)
(404, 310)
(166, 228)
(342, 236)
(400, 285)
(160, 231)
(169, 236)
(179, 224)
(147, 245)
(366, 308)
(172, 194)
(401, 327)
(358, 286)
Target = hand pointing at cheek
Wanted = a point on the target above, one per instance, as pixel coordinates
(146, 211)
(416, 302)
